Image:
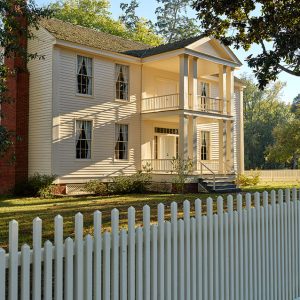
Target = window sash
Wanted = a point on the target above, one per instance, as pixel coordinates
(122, 82)
(205, 145)
(121, 146)
(83, 135)
(84, 75)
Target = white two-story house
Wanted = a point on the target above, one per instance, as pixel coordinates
(101, 106)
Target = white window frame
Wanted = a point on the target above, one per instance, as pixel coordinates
(91, 139)
(208, 146)
(91, 77)
(116, 141)
(128, 83)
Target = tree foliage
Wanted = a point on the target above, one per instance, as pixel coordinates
(140, 29)
(88, 13)
(286, 148)
(263, 111)
(274, 25)
(172, 21)
(95, 14)
(295, 108)
(12, 32)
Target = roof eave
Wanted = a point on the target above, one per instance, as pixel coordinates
(212, 58)
(95, 51)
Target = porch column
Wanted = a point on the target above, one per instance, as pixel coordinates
(183, 81)
(222, 87)
(229, 144)
(229, 89)
(193, 81)
(241, 161)
(192, 144)
(222, 145)
(183, 137)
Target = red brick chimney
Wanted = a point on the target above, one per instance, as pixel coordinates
(15, 119)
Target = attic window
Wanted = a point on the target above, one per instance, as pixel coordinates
(84, 75)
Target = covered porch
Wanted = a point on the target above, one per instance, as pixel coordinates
(205, 143)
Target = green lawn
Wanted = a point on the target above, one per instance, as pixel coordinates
(24, 210)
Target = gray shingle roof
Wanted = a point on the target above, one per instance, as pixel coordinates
(108, 42)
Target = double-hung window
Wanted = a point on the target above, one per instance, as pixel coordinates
(83, 139)
(122, 82)
(205, 145)
(204, 93)
(121, 147)
(84, 75)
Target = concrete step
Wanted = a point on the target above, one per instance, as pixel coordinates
(218, 180)
(221, 184)
(229, 190)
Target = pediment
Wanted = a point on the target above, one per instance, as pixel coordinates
(213, 47)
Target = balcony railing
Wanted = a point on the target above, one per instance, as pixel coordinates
(167, 165)
(170, 102)
(209, 104)
(160, 103)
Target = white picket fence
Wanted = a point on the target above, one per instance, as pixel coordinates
(283, 175)
(249, 253)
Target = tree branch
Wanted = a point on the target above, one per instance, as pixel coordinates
(281, 67)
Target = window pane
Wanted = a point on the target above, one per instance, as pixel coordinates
(122, 79)
(205, 145)
(121, 147)
(84, 75)
(83, 139)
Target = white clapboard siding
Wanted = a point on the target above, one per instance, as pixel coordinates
(252, 252)
(40, 104)
(213, 129)
(103, 110)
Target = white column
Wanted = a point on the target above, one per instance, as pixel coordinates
(222, 143)
(193, 81)
(222, 87)
(192, 139)
(229, 144)
(183, 82)
(183, 137)
(229, 88)
(241, 162)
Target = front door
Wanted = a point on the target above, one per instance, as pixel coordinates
(167, 147)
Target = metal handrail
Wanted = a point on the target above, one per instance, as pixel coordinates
(211, 171)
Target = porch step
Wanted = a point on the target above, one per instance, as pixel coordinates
(223, 184)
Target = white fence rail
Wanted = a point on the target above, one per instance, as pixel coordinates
(252, 252)
(277, 175)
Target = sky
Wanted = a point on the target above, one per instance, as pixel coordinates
(147, 9)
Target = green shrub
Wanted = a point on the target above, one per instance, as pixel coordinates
(140, 181)
(37, 185)
(96, 187)
(252, 179)
(121, 185)
(182, 168)
(136, 183)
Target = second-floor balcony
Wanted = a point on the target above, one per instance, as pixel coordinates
(171, 102)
